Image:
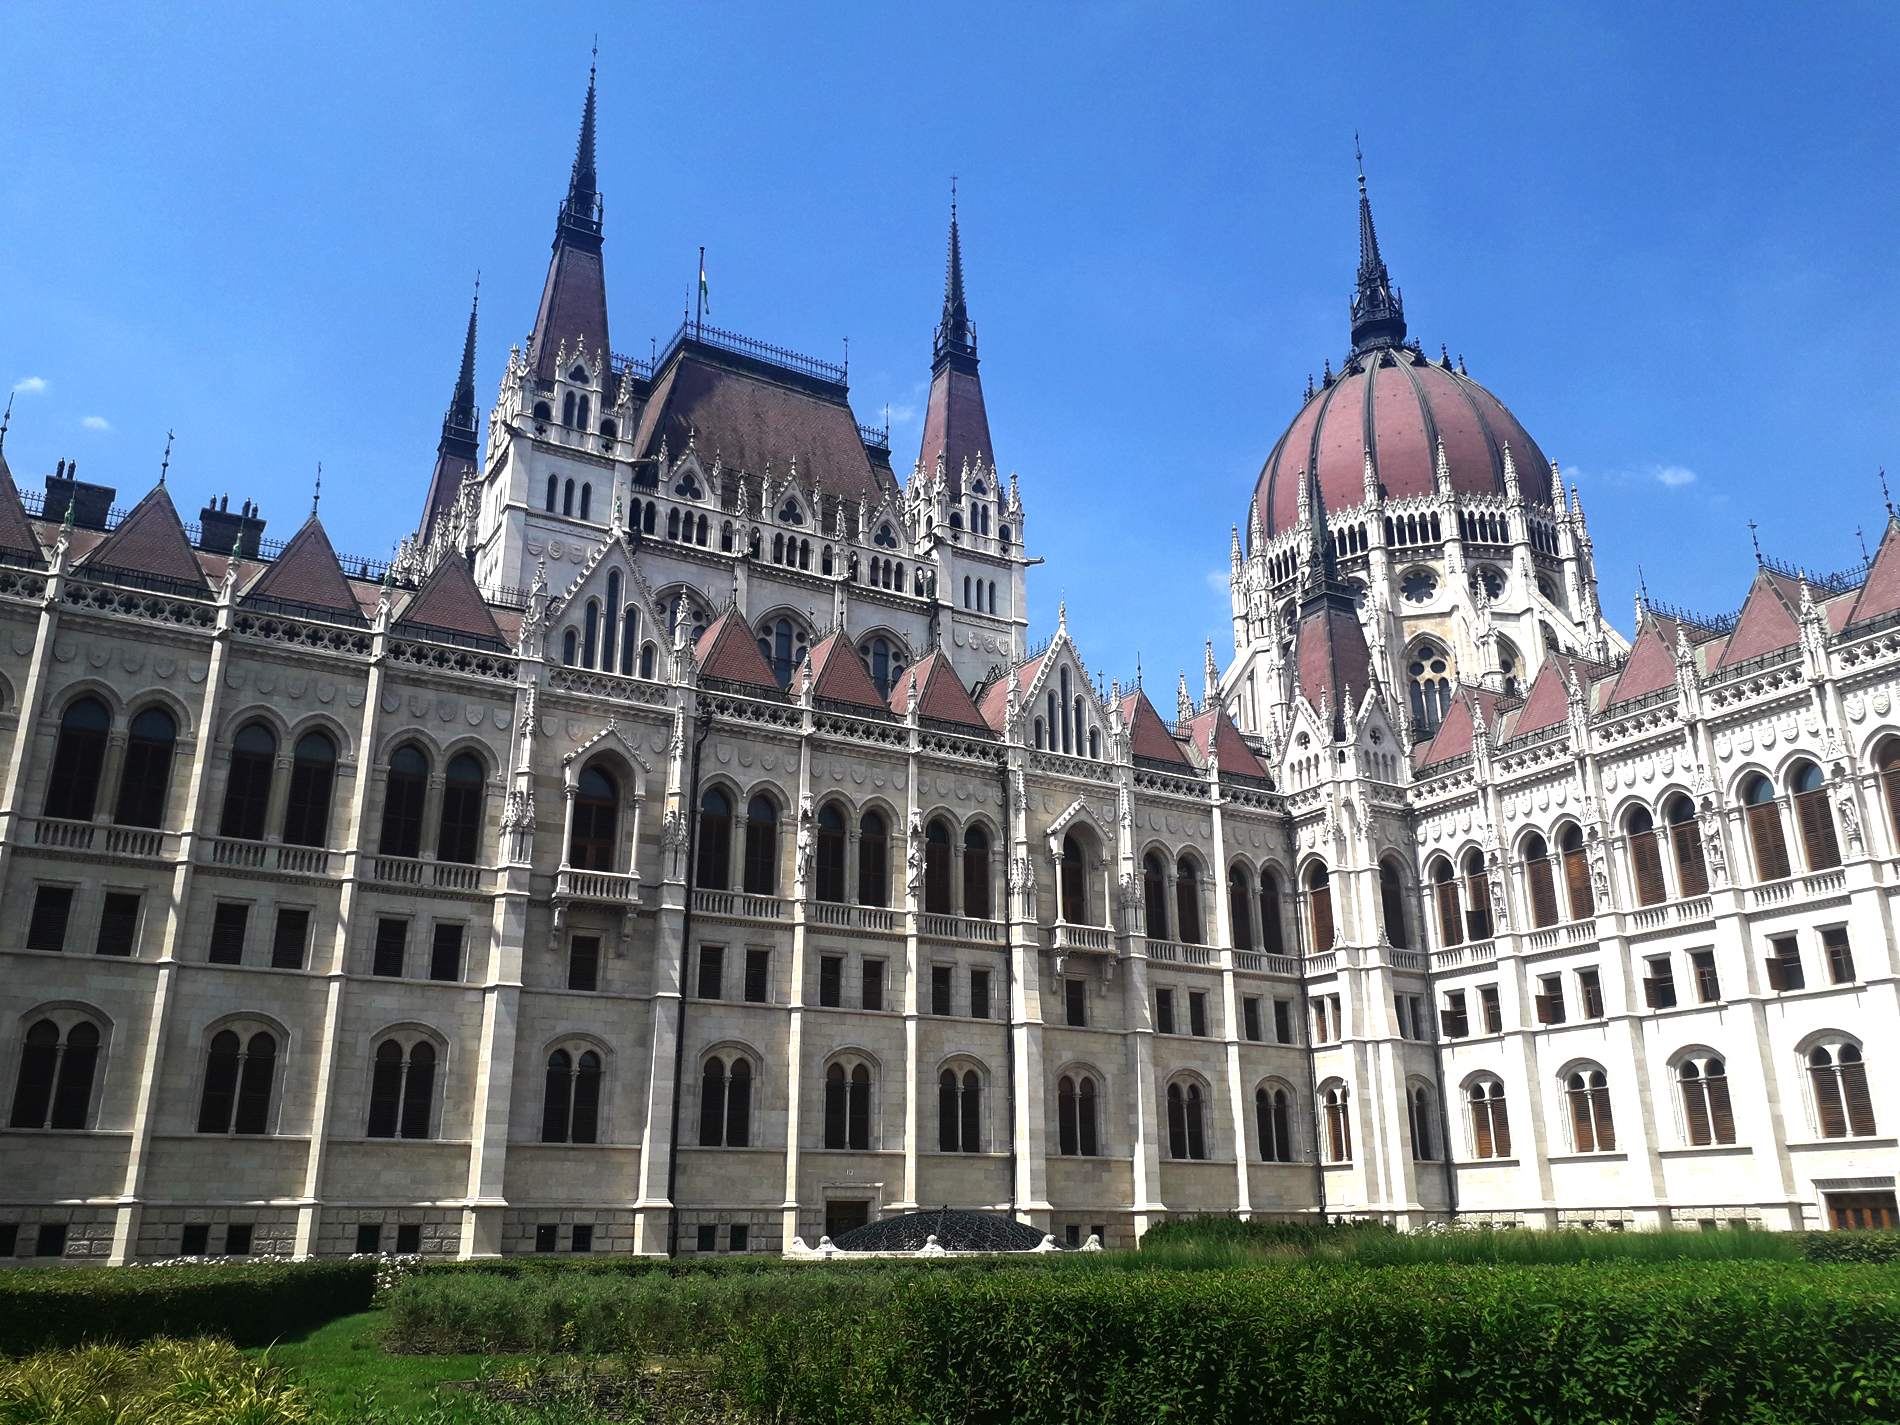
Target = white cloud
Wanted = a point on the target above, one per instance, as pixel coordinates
(1674, 475)
(1220, 581)
(96, 423)
(31, 384)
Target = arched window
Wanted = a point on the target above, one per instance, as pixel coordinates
(761, 847)
(570, 1105)
(1451, 923)
(554, 481)
(959, 1112)
(567, 492)
(848, 1107)
(1583, 903)
(570, 648)
(402, 1090)
(247, 792)
(610, 622)
(1154, 897)
(543, 413)
(567, 409)
(237, 1084)
(1706, 1112)
(1542, 881)
(725, 537)
(1240, 906)
(1889, 760)
(54, 1089)
(976, 873)
(874, 881)
(1685, 836)
(148, 769)
(1039, 735)
(583, 422)
(1272, 935)
(966, 591)
(609, 429)
(1392, 905)
(1075, 883)
(1095, 743)
(1338, 1105)
(1764, 830)
(1477, 897)
(590, 636)
(725, 1104)
(650, 513)
(312, 779)
(1187, 1132)
(1319, 897)
(937, 869)
(459, 836)
(587, 491)
(829, 881)
(402, 803)
(73, 787)
(596, 810)
(646, 661)
(1430, 671)
(1646, 859)
(1591, 1125)
(784, 648)
(1418, 1113)
(699, 532)
(715, 842)
(1075, 1116)
(1842, 1104)
(1815, 817)
(1490, 1121)
(1273, 1123)
(1187, 902)
(1062, 715)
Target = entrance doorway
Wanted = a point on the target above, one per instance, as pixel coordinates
(846, 1215)
(1861, 1211)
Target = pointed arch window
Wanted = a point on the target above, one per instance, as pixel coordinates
(1075, 883)
(782, 645)
(937, 869)
(1154, 897)
(1240, 906)
(1592, 1128)
(629, 640)
(715, 842)
(1392, 905)
(1764, 830)
(148, 769)
(848, 1107)
(1706, 1111)
(570, 1102)
(247, 791)
(874, 883)
(54, 1089)
(596, 812)
(1068, 738)
(1187, 902)
(402, 1090)
(1338, 1108)
(567, 490)
(1477, 898)
(587, 491)
(1542, 881)
(610, 622)
(761, 847)
(829, 881)
(1075, 1116)
(570, 648)
(237, 1085)
(1842, 1104)
(1685, 837)
(976, 873)
(959, 1112)
(567, 409)
(1319, 899)
(312, 779)
(1431, 675)
(1646, 858)
(1490, 1120)
(554, 481)
(72, 789)
(1418, 1112)
(1583, 903)
(1272, 935)
(408, 786)
(1187, 1130)
(1815, 818)
(646, 661)
(1273, 1122)
(590, 637)
(1451, 925)
(459, 836)
(725, 1103)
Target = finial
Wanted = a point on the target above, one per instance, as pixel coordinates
(1361, 160)
(316, 496)
(1062, 613)
(1138, 670)
(72, 507)
(1865, 557)
(163, 465)
(1883, 475)
(1642, 585)
(1756, 539)
(7, 420)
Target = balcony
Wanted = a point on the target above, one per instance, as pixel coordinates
(875, 918)
(608, 886)
(1094, 938)
(267, 856)
(961, 929)
(737, 905)
(136, 841)
(1454, 957)
(1264, 963)
(1176, 953)
(1405, 959)
(426, 875)
(1819, 883)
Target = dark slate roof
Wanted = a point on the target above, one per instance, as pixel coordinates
(940, 695)
(1455, 733)
(16, 530)
(1331, 655)
(307, 572)
(1215, 726)
(448, 599)
(1148, 735)
(727, 650)
(1651, 665)
(956, 425)
(954, 1231)
(837, 674)
(150, 540)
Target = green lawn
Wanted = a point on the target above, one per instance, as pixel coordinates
(351, 1376)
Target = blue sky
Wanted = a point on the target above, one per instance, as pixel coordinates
(1663, 235)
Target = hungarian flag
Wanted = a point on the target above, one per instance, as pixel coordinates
(705, 302)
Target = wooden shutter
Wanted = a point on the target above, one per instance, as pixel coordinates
(1501, 1127)
(1543, 892)
(1448, 920)
(1580, 1120)
(1606, 1125)
(1817, 830)
(1771, 851)
(1695, 1111)
(1721, 1112)
(1481, 1129)
(1478, 917)
(1860, 1104)
(1646, 857)
(1891, 781)
(1583, 904)
(1827, 1102)
(1691, 870)
(1322, 900)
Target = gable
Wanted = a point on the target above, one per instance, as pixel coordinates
(1453, 737)
(150, 540)
(1766, 624)
(1217, 729)
(726, 650)
(941, 696)
(838, 675)
(995, 704)
(1148, 735)
(1548, 703)
(448, 599)
(1881, 593)
(1652, 662)
(307, 572)
(16, 531)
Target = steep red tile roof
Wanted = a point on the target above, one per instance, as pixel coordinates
(307, 572)
(1331, 655)
(1767, 622)
(1235, 754)
(1548, 703)
(1454, 734)
(150, 540)
(727, 650)
(995, 704)
(16, 531)
(1651, 665)
(837, 674)
(1148, 735)
(941, 694)
(449, 599)
(956, 425)
(1881, 593)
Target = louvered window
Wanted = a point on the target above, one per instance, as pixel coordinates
(1706, 1112)
(1646, 860)
(1764, 831)
(1815, 818)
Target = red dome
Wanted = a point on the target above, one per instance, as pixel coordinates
(1398, 404)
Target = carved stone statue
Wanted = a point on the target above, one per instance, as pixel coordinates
(1850, 823)
(1713, 849)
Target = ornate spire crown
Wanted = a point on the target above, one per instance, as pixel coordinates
(954, 331)
(581, 210)
(1378, 317)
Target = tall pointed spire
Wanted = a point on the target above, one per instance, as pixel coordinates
(954, 331)
(956, 424)
(461, 413)
(459, 450)
(580, 212)
(1378, 317)
(573, 312)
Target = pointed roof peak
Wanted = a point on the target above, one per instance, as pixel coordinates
(308, 572)
(1378, 317)
(580, 212)
(954, 331)
(461, 413)
(150, 540)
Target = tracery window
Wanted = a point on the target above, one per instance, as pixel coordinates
(725, 1103)
(237, 1085)
(570, 1100)
(148, 768)
(1706, 1111)
(1490, 1120)
(959, 1112)
(1843, 1106)
(848, 1107)
(782, 645)
(1273, 1122)
(1430, 671)
(1337, 1105)
(402, 1089)
(54, 1089)
(1075, 1116)
(1187, 1131)
(1592, 1128)
(1418, 1112)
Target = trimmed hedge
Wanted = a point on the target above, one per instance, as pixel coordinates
(1184, 1231)
(1878, 1248)
(250, 1305)
(1326, 1345)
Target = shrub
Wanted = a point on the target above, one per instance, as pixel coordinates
(1182, 1231)
(1876, 1248)
(1622, 1342)
(251, 1304)
(162, 1382)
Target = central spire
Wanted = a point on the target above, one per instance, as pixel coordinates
(573, 314)
(954, 332)
(1378, 317)
(581, 210)
(460, 420)
(956, 425)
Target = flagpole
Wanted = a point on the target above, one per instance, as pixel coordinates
(699, 309)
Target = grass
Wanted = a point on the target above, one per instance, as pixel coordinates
(162, 1382)
(349, 1376)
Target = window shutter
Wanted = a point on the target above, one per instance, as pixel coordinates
(1721, 1112)
(1691, 869)
(1777, 973)
(1695, 1111)
(1543, 893)
(1322, 920)
(1577, 882)
(1817, 830)
(1771, 852)
(1501, 1127)
(1646, 857)
(1891, 781)
(1580, 1121)
(1606, 1125)
(1827, 1102)
(1478, 917)
(1481, 1130)
(1448, 921)
(1860, 1104)
(1653, 992)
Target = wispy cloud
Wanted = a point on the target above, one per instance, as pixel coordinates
(1674, 475)
(30, 384)
(1220, 581)
(96, 423)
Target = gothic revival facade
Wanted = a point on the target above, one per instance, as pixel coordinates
(680, 846)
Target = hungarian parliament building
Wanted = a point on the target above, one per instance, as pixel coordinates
(681, 846)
